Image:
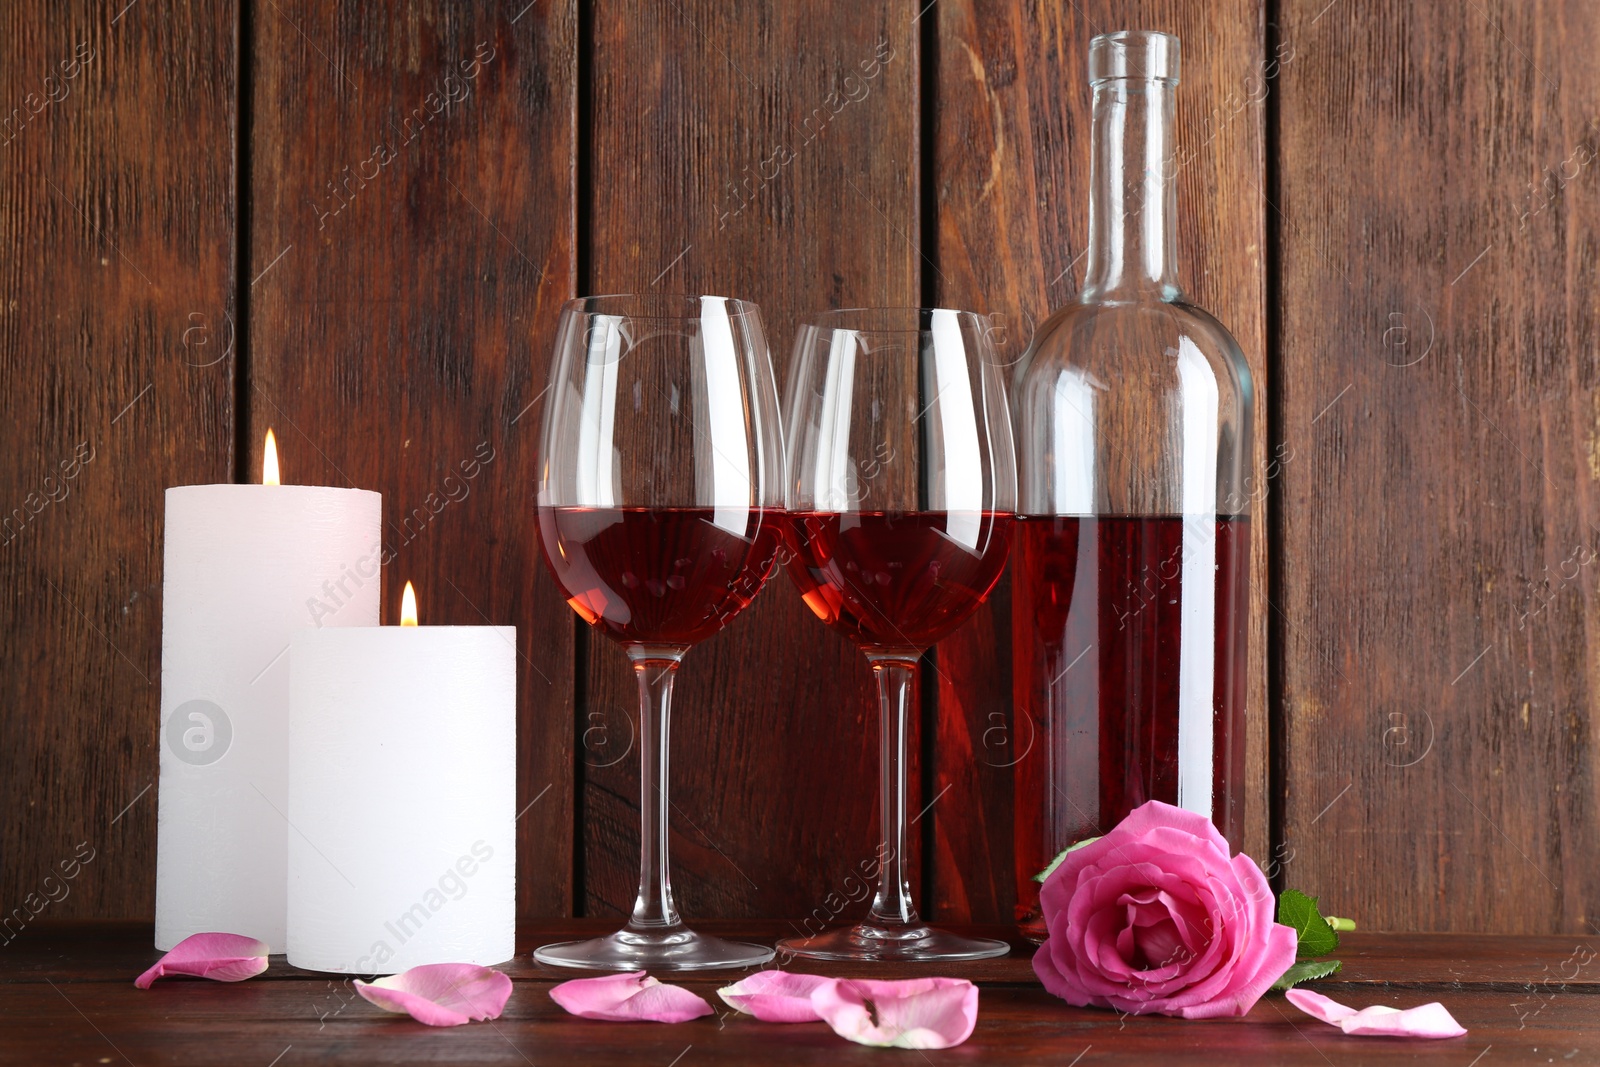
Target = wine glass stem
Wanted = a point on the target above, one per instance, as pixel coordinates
(653, 909)
(897, 694)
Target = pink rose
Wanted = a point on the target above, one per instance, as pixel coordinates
(1154, 917)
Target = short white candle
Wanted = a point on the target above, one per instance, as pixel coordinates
(246, 565)
(402, 793)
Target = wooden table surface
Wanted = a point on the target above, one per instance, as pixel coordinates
(67, 997)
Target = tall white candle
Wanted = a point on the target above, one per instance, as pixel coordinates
(245, 566)
(402, 790)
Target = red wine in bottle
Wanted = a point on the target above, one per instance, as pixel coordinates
(1099, 681)
(896, 580)
(667, 576)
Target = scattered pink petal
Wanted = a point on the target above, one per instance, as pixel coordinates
(1426, 1021)
(911, 1013)
(441, 994)
(633, 997)
(776, 996)
(220, 957)
(1324, 1009)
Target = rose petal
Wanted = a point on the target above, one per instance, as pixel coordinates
(441, 994)
(911, 1013)
(1052, 978)
(633, 997)
(1427, 1021)
(1274, 958)
(1319, 1007)
(775, 996)
(1155, 817)
(220, 957)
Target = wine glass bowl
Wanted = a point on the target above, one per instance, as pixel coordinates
(901, 488)
(895, 582)
(660, 505)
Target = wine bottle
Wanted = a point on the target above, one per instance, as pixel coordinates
(1131, 583)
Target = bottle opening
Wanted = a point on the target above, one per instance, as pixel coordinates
(1145, 55)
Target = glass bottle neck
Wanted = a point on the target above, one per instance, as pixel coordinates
(1131, 197)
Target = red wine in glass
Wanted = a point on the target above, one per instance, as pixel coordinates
(896, 579)
(671, 576)
(1099, 671)
(902, 487)
(660, 504)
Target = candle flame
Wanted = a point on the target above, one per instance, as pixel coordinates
(408, 606)
(269, 460)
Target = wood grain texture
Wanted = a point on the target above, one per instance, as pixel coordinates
(1439, 387)
(411, 244)
(117, 181)
(767, 152)
(1016, 1025)
(1012, 159)
(86, 950)
(71, 999)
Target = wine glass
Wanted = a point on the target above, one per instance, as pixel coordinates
(901, 486)
(660, 501)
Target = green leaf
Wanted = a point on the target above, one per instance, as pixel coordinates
(1305, 971)
(1316, 937)
(1048, 871)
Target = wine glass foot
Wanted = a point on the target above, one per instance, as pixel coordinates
(908, 944)
(677, 949)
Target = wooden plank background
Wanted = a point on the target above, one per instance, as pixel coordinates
(118, 340)
(356, 225)
(1439, 389)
